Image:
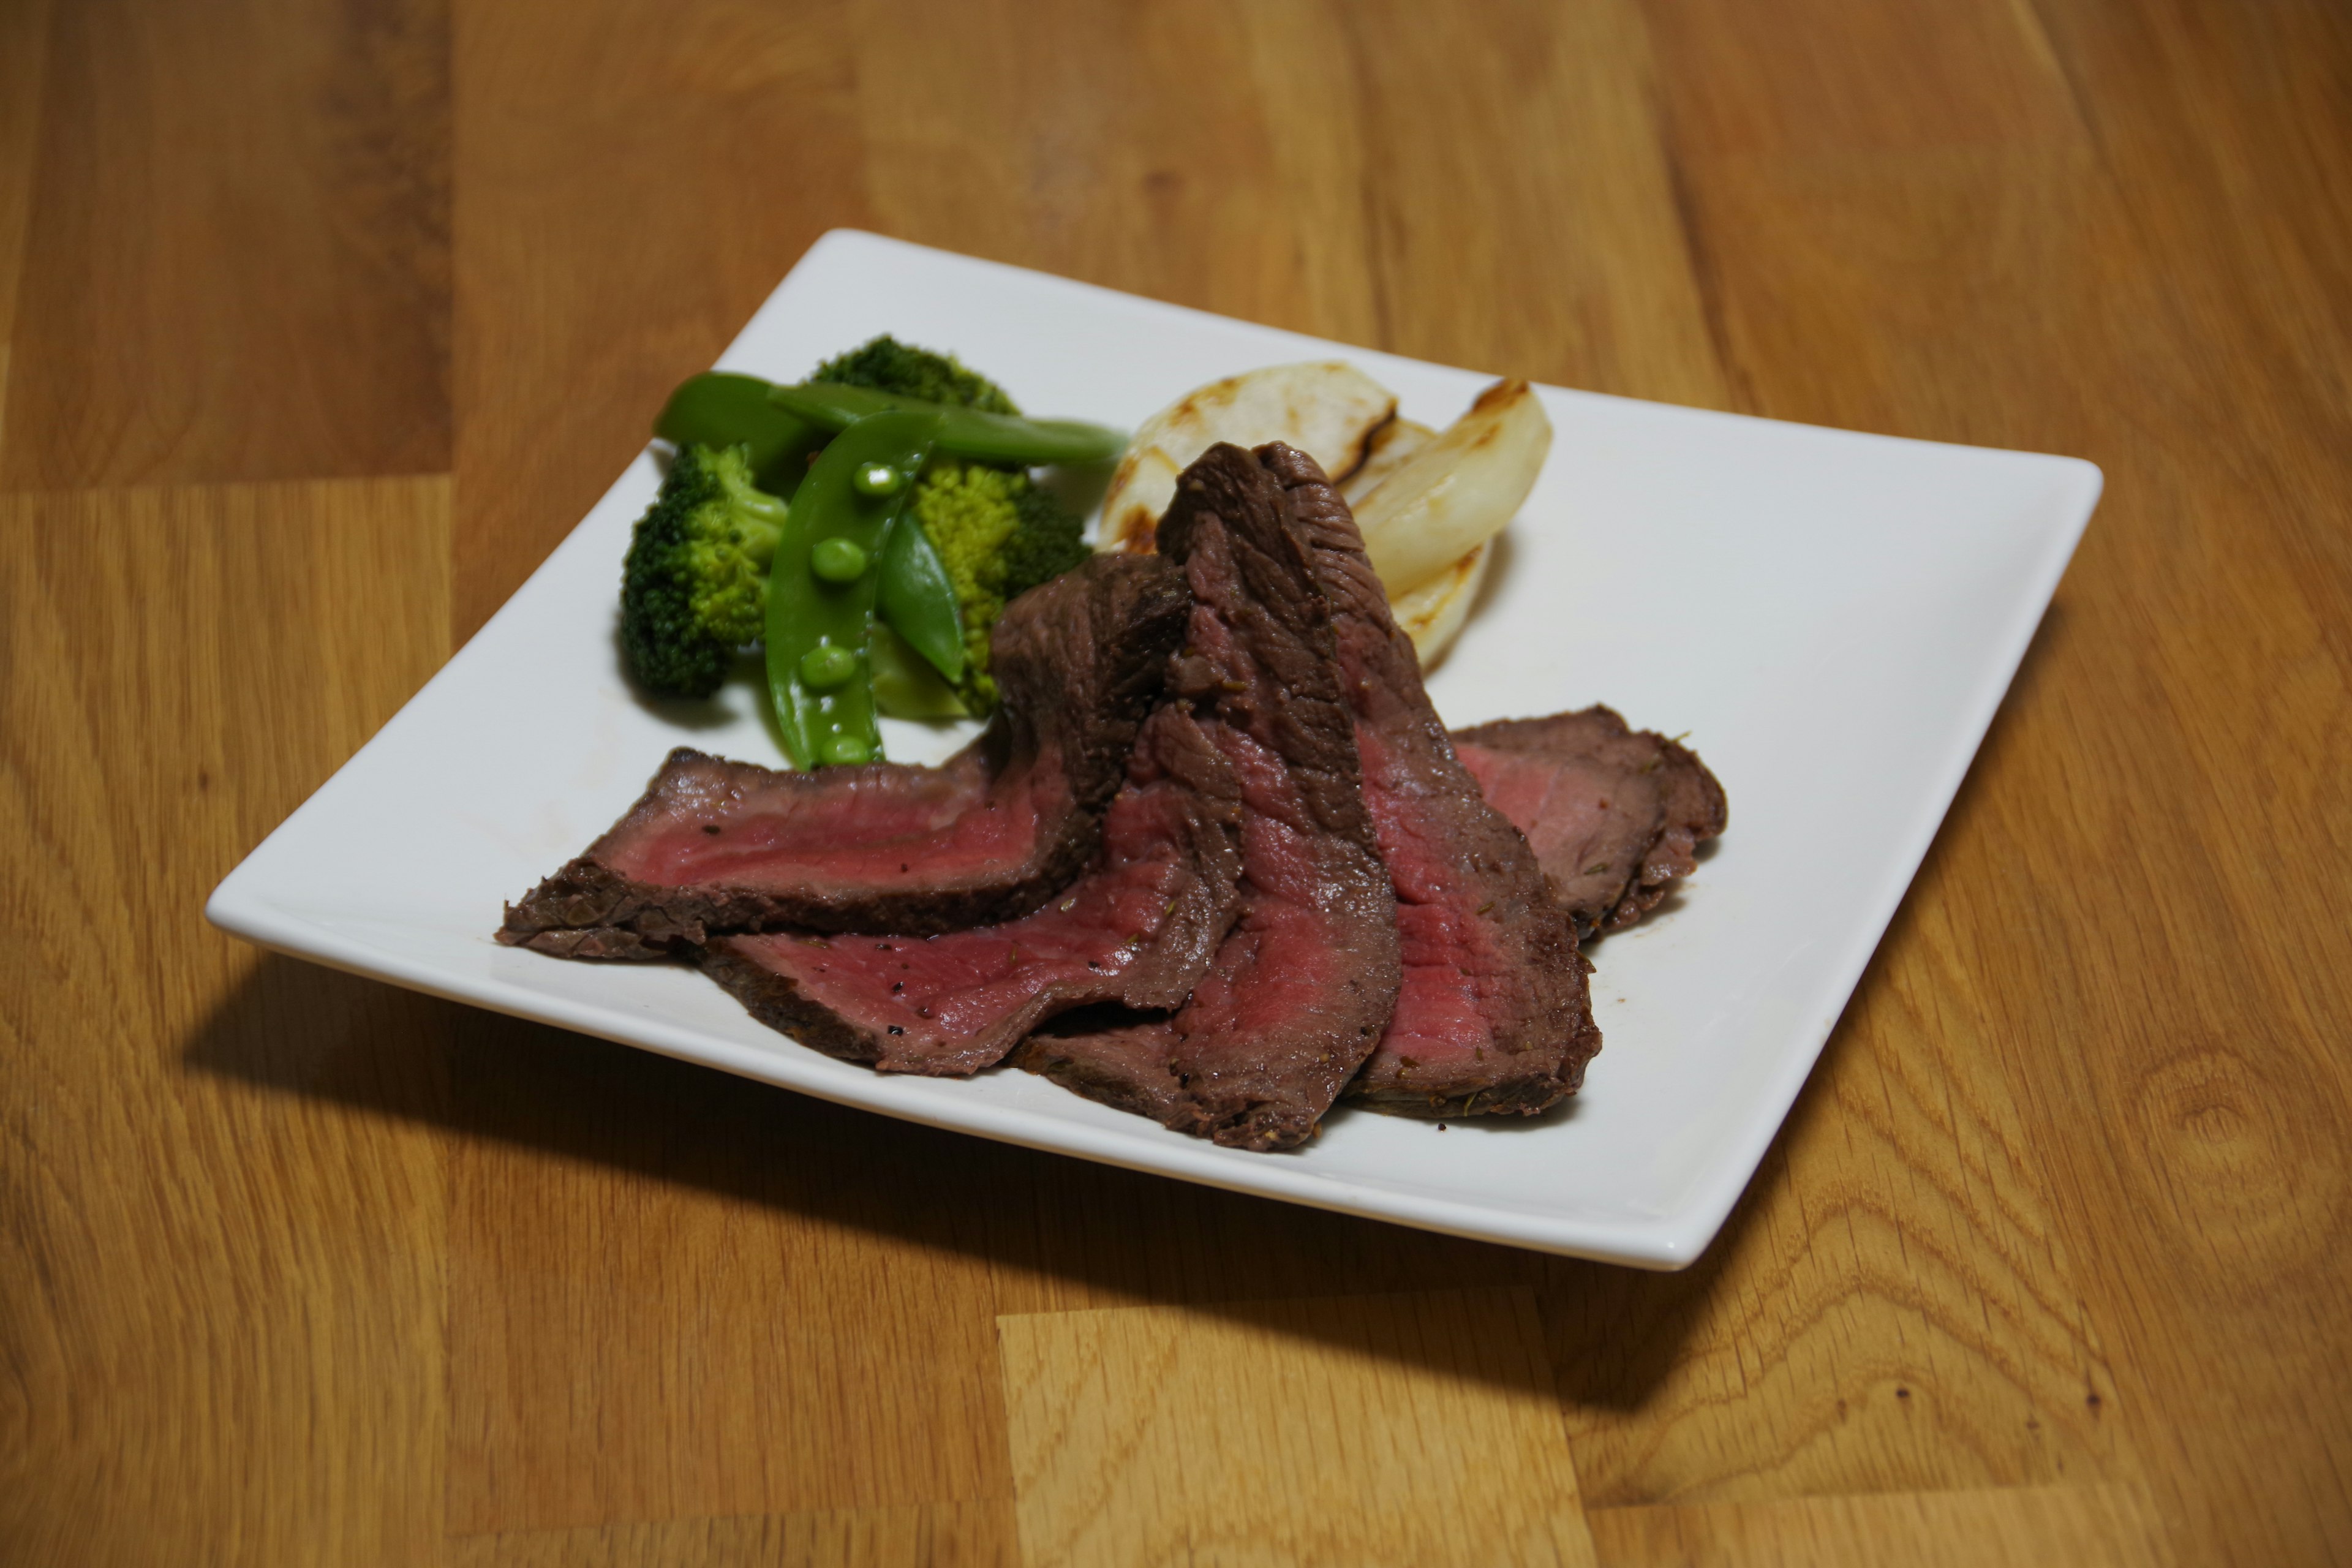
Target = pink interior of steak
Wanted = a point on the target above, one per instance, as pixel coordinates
(717, 847)
(723, 824)
(1251, 1058)
(1458, 973)
(1299, 993)
(1587, 823)
(1614, 814)
(1288, 959)
(1137, 930)
(1491, 1012)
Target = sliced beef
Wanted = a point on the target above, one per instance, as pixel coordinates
(718, 846)
(1493, 1014)
(1299, 993)
(1137, 930)
(1613, 813)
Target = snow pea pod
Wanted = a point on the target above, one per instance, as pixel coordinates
(719, 409)
(819, 674)
(905, 684)
(918, 601)
(963, 431)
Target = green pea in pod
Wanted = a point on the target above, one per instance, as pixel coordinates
(826, 579)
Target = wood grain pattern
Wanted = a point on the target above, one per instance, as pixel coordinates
(1896, 1312)
(798, 1329)
(1150, 149)
(635, 181)
(2195, 1137)
(2024, 1527)
(1288, 164)
(1366, 1430)
(1550, 245)
(973, 1536)
(222, 1300)
(2052, 1264)
(244, 266)
(23, 59)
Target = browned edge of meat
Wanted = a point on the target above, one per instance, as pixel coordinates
(1078, 661)
(1137, 931)
(1494, 1014)
(1615, 814)
(777, 1001)
(1299, 993)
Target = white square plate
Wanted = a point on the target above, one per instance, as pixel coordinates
(1832, 618)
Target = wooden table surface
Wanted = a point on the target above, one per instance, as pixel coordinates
(323, 322)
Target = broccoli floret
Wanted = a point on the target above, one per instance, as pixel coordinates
(1045, 544)
(694, 585)
(886, 365)
(998, 536)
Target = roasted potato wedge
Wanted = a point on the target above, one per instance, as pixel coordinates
(1451, 493)
(1432, 614)
(1328, 410)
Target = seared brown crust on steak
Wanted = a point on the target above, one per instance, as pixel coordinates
(1493, 1014)
(716, 846)
(1613, 813)
(1299, 991)
(1136, 931)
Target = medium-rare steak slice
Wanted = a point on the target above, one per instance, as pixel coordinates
(1613, 813)
(1493, 1014)
(717, 847)
(1291, 1003)
(1299, 991)
(1137, 930)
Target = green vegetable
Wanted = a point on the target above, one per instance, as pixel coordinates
(918, 600)
(1004, 534)
(987, 534)
(1045, 542)
(719, 409)
(695, 581)
(998, 536)
(813, 623)
(838, 560)
(828, 665)
(905, 684)
(886, 365)
(963, 431)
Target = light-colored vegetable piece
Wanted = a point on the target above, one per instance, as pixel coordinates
(1140, 492)
(1435, 613)
(1328, 410)
(1454, 492)
(1389, 446)
(1432, 614)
